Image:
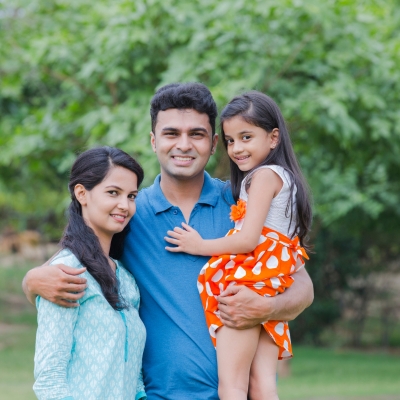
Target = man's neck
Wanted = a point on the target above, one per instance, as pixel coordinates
(182, 193)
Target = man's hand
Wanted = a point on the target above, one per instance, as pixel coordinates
(59, 284)
(187, 240)
(241, 308)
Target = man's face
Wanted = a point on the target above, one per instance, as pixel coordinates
(183, 142)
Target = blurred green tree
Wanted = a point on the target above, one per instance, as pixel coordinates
(76, 74)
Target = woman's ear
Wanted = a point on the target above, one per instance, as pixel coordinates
(80, 194)
(274, 137)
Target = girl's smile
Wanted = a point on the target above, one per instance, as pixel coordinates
(248, 145)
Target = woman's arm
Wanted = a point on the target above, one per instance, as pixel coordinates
(140, 392)
(54, 341)
(265, 185)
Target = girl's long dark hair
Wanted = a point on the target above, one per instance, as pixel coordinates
(89, 169)
(260, 110)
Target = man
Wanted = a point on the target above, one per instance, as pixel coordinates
(179, 361)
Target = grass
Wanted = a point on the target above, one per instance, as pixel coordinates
(317, 373)
(326, 373)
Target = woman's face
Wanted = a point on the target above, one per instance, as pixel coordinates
(109, 206)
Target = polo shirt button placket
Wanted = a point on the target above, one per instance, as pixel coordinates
(175, 212)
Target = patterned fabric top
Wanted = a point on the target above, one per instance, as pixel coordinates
(276, 218)
(91, 351)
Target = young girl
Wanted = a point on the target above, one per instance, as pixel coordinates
(94, 351)
(272, 218)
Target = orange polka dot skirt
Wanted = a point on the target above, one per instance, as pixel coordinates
(266, 270)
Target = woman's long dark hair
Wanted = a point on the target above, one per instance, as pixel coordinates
(260, 110)
(90, 169)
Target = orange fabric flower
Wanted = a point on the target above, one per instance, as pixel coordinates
(238, 211)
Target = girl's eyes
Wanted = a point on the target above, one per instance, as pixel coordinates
(246, 137)
(229, 141)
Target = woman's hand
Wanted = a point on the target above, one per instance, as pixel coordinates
(187, 240)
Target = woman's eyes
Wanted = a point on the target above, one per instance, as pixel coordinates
(132, 196)
(113, 192)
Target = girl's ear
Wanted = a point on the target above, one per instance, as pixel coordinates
(274, 137)
(80, 194)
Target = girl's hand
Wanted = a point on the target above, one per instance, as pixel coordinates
(187, 240)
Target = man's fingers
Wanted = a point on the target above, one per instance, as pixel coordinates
(77, 288)
(69, 270)
(67, 304)
(230, 291)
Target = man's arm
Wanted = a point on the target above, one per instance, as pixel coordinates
(241, 308)
(56, 283)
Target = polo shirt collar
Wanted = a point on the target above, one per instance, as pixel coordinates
(159, 203)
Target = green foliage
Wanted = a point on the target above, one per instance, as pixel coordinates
(75, 74)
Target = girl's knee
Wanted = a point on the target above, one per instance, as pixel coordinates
(263, 387)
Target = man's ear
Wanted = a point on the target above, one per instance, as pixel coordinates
(214, 143)
(80, 194)
(153, 141)
(274, 138)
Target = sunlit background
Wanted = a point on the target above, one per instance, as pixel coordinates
(79, 73)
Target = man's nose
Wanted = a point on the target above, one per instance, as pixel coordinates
(184, 142)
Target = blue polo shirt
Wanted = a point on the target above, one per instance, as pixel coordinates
(179, 360)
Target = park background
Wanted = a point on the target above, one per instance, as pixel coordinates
(76, 74)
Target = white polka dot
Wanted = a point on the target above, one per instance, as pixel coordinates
(286, 354)
(233, 256)
(200, 287)
(203, 270)
(285, 254)
(286, 345)
(260, 255)
(240, 273)
(279, 328)
(233, 283)
(267, 295)
(272, 262)
(292, 268)
(272, 235)
(288, 334)
(273, 244)
(221, 287)
(208, 289)
(257, 268)
(216, 263)
(212, 330)
(281, 274)
(230, 264)
(248, 259)
(218, 275)
(275, 282)
(262, 239)
(206, 304)
(259, 285)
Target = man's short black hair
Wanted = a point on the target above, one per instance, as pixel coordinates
(195, 96)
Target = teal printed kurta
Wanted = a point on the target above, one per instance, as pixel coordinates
(92, 351)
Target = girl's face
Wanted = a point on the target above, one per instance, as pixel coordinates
(109, 206)
(248, 145)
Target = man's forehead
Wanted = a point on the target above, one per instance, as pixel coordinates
(185, 119)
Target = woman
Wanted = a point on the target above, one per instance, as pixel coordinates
(94, 350)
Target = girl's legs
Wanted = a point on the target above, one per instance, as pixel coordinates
(263, 369)
(235, 353)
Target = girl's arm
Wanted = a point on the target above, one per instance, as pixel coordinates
(265, 185)
(54, 339)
